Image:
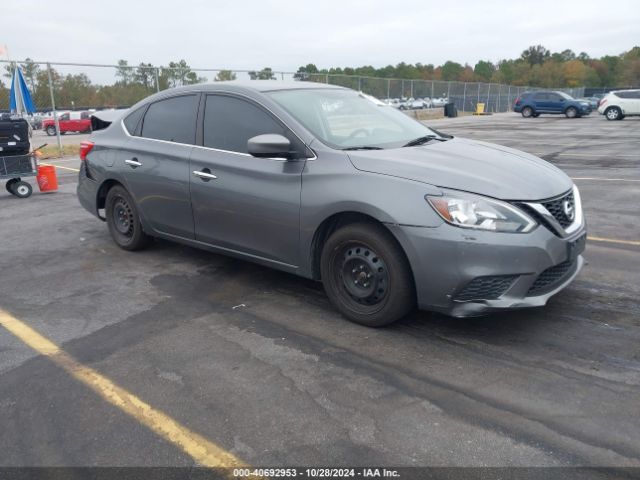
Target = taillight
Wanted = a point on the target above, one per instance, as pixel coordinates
(517, 102)
(602, 102)
(85, 148)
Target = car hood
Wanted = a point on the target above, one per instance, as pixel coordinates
(471, 166)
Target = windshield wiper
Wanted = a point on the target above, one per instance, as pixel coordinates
(363, 147)
(423, 140)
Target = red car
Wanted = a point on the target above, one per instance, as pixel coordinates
(69, 122)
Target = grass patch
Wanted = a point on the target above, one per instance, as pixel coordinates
(52, 151)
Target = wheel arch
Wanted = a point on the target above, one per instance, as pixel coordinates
(333, 223)
(101, 194)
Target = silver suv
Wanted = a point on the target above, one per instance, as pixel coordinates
(322, 182)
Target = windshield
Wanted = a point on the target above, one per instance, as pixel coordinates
(347, 119)
(565, 96)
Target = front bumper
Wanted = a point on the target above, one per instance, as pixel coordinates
(446, 259)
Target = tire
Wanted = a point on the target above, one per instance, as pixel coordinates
(613, 113)
(9, 184)
(51, 130)
(366, 275)
(123, 220)
(571, 112)
(21, 189)
(527, 112)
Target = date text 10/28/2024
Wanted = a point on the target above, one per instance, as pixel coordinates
(316, 472)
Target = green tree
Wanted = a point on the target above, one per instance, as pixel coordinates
(484, 70)
(264, 74)
(124, 72)
(145, 75)
(535, 55)
(224, 75)
(451, 70)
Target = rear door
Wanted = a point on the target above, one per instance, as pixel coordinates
(541, 102)
(630, 102)
(155, 164)
(253, 204)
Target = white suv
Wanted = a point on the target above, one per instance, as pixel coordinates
(617, 105)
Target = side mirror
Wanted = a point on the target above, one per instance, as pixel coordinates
(271, 145)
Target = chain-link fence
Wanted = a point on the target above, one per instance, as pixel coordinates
(78, 87)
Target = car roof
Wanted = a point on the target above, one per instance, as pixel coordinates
(626, 90)
(259, 86)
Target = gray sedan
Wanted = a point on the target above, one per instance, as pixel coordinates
(322, 182)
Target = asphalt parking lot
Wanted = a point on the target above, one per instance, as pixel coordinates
(258, 364)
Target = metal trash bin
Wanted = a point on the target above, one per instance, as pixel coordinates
(450, 110)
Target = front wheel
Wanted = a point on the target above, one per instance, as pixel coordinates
(123, 220)
(527, 112)
(51, 130)
(366, 275)
(571, 112)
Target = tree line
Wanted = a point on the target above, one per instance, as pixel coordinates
(536, 67)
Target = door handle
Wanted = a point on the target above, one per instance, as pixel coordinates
(205, 174)
(133, 163)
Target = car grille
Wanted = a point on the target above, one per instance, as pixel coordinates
(550, 278)
(486, 288)
(556, 208)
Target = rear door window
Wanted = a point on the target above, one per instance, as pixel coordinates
(172, 119)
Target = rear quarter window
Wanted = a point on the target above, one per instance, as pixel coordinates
(132, 121)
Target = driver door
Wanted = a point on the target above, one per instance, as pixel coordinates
(239, 202)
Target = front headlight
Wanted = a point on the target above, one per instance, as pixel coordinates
(481, 213)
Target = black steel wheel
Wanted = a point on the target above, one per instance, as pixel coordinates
(123, 220)
(21, 189)
(366, 275)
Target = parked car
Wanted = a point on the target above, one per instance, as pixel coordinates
(415, 104)
(439, 102)
(532, 104)
(386, 212)
(619, 104)
(592, 101)
(69, 122)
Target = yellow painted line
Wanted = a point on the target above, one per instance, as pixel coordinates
(196, 446)
(614, 240)
(607, 179)
(60, 166)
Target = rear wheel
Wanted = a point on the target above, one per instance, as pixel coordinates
(21, 189)
(527, 112)
(613, 113)
(571, 112)
(123, 220)
(366, 275)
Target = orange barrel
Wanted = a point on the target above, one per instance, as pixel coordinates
(47, 179)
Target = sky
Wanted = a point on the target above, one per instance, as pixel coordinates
(284, 34)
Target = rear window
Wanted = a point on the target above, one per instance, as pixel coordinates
(172, 120)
